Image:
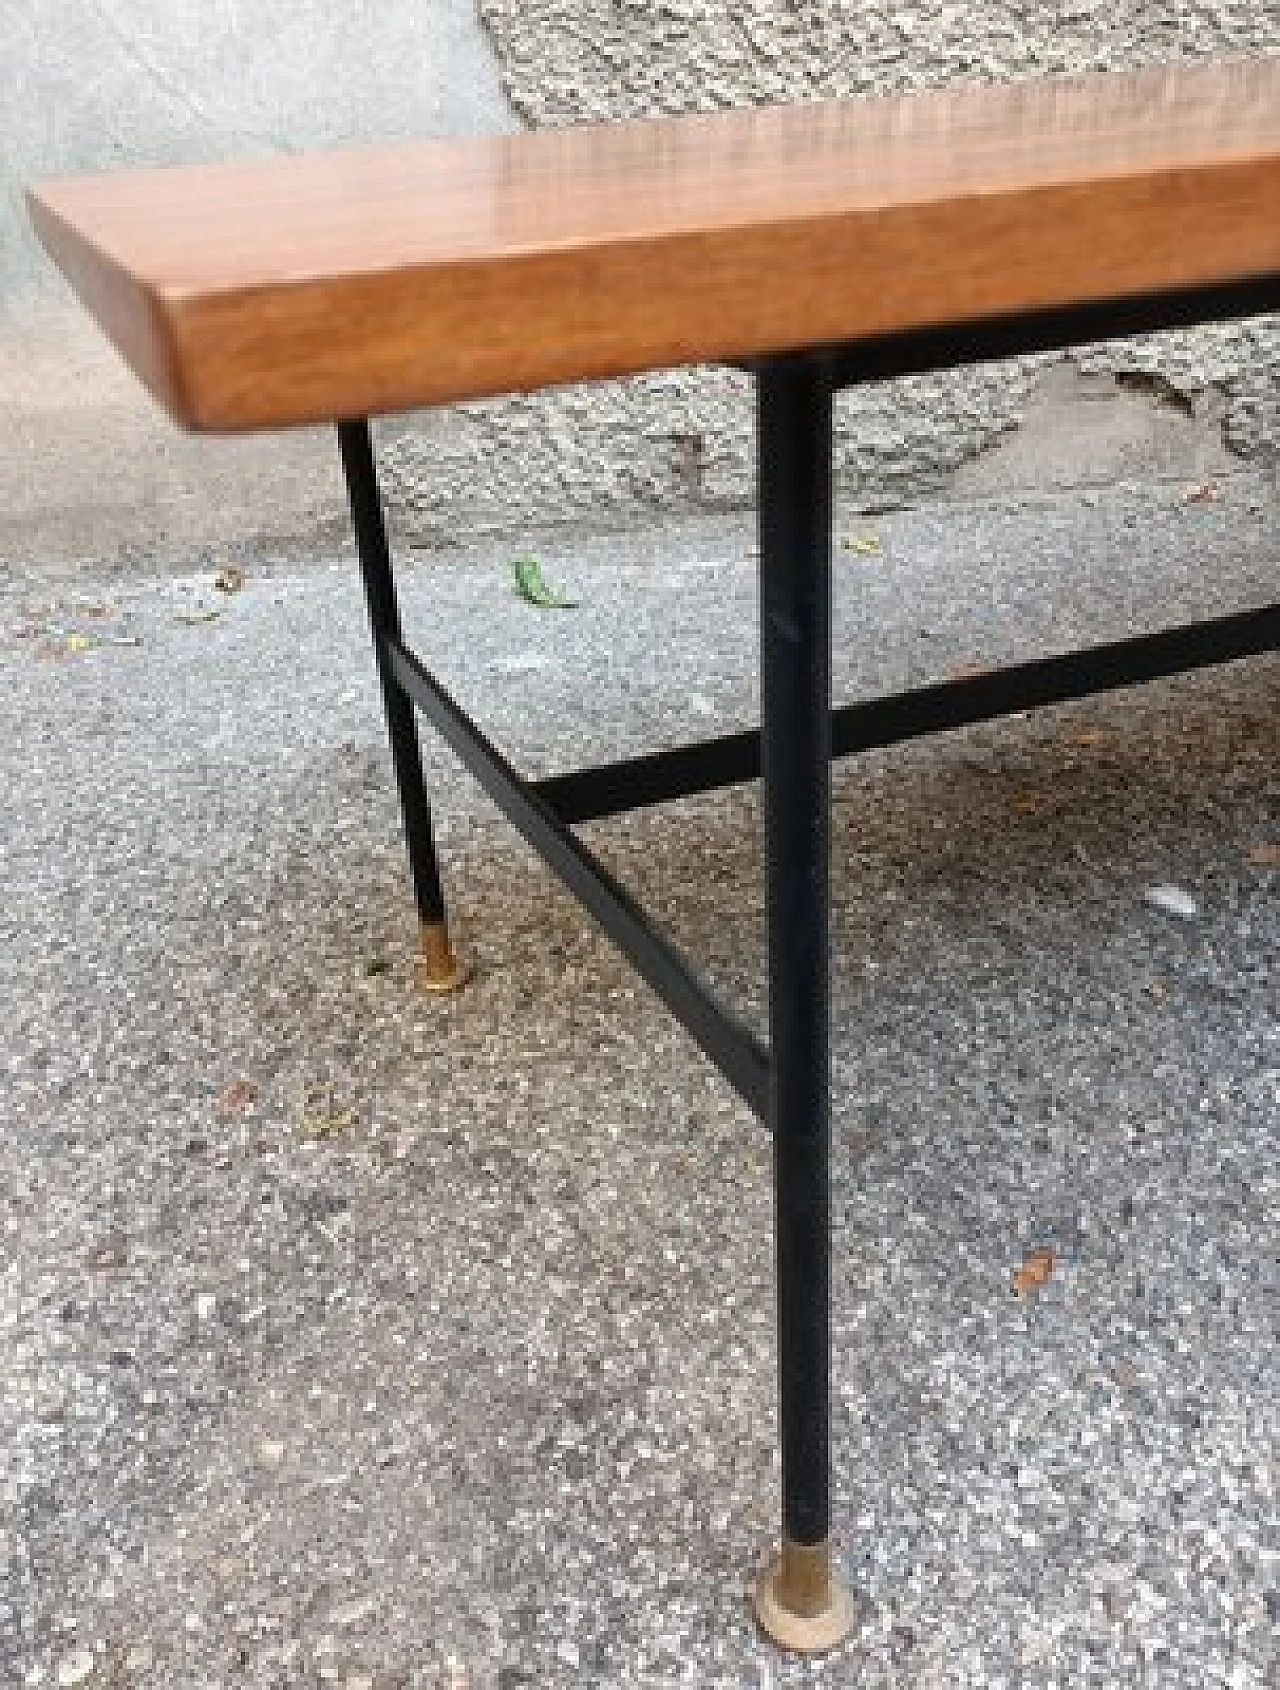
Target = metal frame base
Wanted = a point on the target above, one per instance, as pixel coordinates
(438, 968)
(786, 1085)
(800, 1601)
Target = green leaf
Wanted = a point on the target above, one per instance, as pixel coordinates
(527, 575)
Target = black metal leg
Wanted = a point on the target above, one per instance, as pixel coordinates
(800, 1602)
(438, 967)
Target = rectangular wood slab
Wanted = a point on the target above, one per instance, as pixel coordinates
(342, 284)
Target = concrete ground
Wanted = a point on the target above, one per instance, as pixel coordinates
(93, 472)
(353, 1338)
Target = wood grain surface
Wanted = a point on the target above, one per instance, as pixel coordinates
(304, 289)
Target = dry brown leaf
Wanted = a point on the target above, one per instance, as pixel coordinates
(1203, 493)
(230, 578)
(67, 645)
(1028, 802)
(1266, 855)
(323, 1115)
(865, 545)
(1086, 735)
(108, 1253)
(1037, 1266)
(237, 1098)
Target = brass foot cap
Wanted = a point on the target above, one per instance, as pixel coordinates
(438, 968)
(803, 1606)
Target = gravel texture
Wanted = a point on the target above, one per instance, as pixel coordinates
(353, 1338)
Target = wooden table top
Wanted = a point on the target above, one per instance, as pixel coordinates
(308, 288)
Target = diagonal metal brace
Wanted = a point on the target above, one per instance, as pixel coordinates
(731, 1045)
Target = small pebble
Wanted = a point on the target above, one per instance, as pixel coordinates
(351, 1613)
(1173, 901)
(76, 1668)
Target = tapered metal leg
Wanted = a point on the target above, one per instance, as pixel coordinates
(438, 969)
(799, 1601)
